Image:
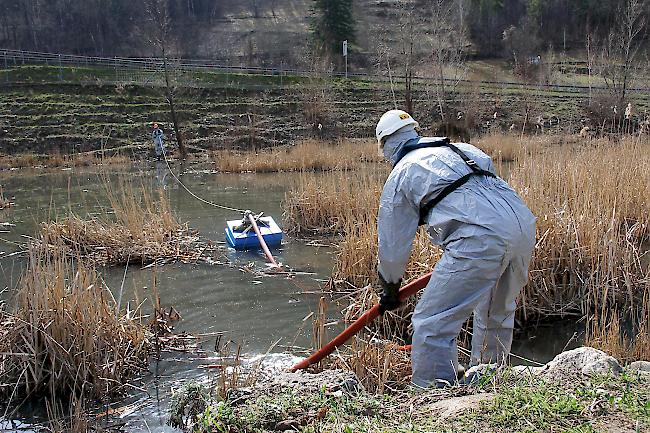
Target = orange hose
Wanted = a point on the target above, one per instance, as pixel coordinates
(404, 293)
(405, 348)
(265, 247)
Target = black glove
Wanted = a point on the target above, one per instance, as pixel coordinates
(389, 296)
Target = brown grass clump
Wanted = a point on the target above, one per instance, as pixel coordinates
(380, 366)
(142, 229)
(59, 160)
(356, 258)
(378, 355)
(501, 147)
(605, 332)
(18, 161)
(66, 336)
(309, 155)
(4, 202)
(330, 203)
(593, 226)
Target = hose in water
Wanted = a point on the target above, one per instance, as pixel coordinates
(404, 293)
(265, 247)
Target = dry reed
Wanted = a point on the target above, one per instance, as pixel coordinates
(309, 155)
(606, 331)
(593, 218)
(58, 160)
(4, 202)
(378, 355)
(66, 336)
(593, 211)
(142, 229)
(377, 363)
(328, 204)
(380, 366)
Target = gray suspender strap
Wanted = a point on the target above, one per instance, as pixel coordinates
(476, 171)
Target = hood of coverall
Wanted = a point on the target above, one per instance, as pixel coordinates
(396, 141)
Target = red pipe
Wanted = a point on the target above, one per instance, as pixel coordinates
(262, 242)
(405, 348)
(404, 293)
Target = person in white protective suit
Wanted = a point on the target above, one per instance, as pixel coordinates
(487, 234)
(157, 136)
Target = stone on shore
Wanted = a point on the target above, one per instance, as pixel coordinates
(583, 360)
(642, 366)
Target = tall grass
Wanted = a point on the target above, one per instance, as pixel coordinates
(4, 201)
(593, 209)
(332, 203)
(309, 155)
(592, 204)
(140, 228)
(66, 337)
(30, 160)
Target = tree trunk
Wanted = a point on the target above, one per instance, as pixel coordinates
(176, 123)
(172, 110)
(408, 80)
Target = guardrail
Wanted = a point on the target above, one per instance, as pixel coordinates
(12, 58)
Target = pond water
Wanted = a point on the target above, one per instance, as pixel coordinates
(255, 311)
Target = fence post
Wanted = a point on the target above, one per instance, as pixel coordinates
(60, 69)
(6, 68)
(115, 65)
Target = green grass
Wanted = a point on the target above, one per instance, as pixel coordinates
(534, 407)
(310, 412)
(519, 405)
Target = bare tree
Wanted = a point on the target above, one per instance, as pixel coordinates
(396, 57)
(619, 51)
(447, 40)
(406, 28)
(589, 45)
(159, 32)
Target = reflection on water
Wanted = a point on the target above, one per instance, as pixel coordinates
(255, 310)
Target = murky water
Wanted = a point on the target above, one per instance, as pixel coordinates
(255, 311)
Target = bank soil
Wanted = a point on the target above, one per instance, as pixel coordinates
(582, 390)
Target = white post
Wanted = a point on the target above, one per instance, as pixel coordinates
(345, 54)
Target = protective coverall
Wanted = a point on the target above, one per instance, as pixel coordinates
(159, 147)
(487, 234)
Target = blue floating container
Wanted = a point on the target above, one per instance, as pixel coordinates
(271, 233)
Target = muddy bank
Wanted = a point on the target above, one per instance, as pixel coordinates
(580, 390)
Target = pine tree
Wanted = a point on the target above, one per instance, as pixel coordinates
(333, 23)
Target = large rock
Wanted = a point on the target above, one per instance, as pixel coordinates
(643, 366)
(273, 373)
(583, 360)
(330, 380)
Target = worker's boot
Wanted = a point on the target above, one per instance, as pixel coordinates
(480, 374)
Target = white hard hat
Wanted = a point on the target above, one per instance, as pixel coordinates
(391, 122)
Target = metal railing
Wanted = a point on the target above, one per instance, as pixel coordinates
(131, 69)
